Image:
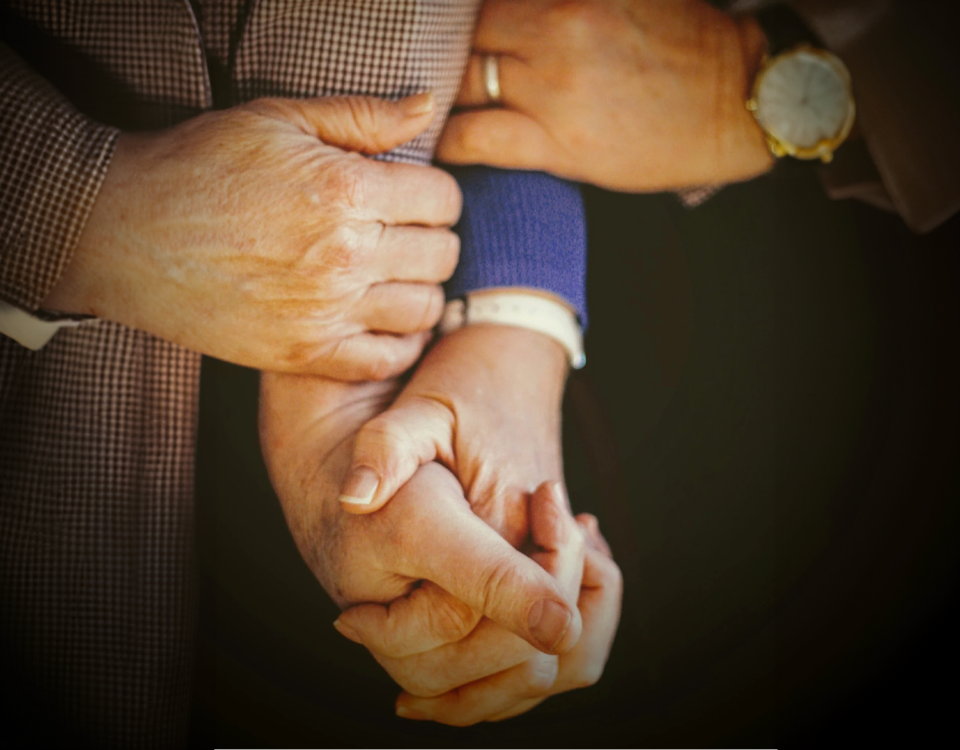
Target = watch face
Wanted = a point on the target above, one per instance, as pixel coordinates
(803, 99)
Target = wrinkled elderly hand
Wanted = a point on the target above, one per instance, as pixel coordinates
(491, 674)
(634, 95)
(426, 549)
(258, 235)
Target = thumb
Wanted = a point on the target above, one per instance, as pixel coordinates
(467, 571)
(473, 563)
(435, 536)
(365, 123)
(391, 447)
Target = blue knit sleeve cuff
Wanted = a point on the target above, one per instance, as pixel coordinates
(521, 229)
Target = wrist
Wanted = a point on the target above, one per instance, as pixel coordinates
(523, 308)
(523, 367)
(743, 147)
(307, 427)
(311, 415)
(523, 351)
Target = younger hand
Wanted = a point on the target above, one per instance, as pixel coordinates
(258, 235)
(485, 402)
(491, 674)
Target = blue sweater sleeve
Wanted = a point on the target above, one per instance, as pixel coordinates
(521, 229)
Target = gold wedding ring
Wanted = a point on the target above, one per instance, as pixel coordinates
(491, 77)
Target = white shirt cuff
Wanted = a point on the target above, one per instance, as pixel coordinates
(29, 330)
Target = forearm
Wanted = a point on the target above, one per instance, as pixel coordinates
(307, 426)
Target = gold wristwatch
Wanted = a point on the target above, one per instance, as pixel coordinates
(802, 98)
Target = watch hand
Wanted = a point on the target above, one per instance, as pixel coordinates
(806, 83)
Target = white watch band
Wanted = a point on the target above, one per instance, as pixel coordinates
(522, 310)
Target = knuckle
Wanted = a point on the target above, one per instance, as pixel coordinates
(345, 247)
(349, 182)
(416, 682)
(610, 577)
(432, 310)
(540, 673)
(338, 351)
(296, 357)
(388, 361)
(389, 647)
(494, 583)
(589, 676)
(451, 620)
(454, 197)
(349, 364)
(383, 435)
(382, 367)
(589, 521)
(362, 111)
(450, 256)
(266, 106)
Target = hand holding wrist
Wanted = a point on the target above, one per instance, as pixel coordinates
(428, 534)
(259, 235)
(485, 401)
(490, 674)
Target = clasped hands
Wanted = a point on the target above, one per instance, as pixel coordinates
(431, 580)
(262, 236)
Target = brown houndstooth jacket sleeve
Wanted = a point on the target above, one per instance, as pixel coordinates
(97, 429)
(53, 161)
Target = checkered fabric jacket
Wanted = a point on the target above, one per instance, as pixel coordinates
(97, 429)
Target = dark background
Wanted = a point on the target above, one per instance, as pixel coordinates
(767, 428)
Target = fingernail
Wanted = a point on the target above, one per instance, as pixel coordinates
(410, 713)
(346, 631)
(420, 104)
(360, 487)
(548, 621)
